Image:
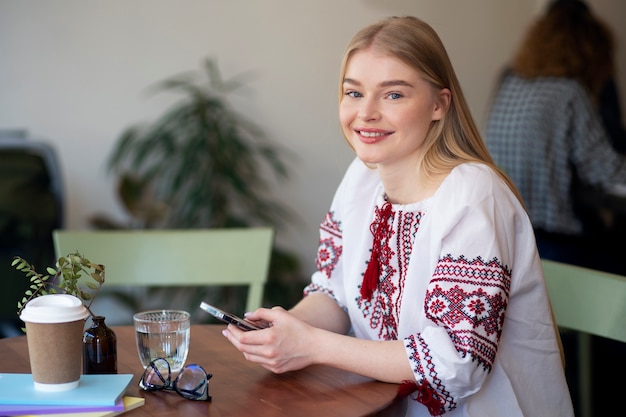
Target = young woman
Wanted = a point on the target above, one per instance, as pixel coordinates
(428, 273)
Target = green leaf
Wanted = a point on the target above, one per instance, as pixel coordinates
(98, 277)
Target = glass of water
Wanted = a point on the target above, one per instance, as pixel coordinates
(163, 334)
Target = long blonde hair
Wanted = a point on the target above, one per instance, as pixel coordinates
(454, 139)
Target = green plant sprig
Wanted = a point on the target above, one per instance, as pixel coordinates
(64, 278)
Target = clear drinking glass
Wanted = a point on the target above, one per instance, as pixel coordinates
(163, 334)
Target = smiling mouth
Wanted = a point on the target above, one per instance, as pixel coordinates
(370, 134)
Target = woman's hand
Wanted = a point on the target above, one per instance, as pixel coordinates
(287, 345)
(313, 332)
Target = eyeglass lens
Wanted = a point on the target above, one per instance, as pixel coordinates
(157, 375)
(192, 382)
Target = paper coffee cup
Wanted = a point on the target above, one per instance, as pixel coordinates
(54, 329)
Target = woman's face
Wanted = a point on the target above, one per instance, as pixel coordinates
(386, 108)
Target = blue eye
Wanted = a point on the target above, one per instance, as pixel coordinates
(395, 96)
(353, 94)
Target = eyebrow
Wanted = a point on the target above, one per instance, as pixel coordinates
(390, 83)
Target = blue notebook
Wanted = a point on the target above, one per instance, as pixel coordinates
(37, 409)
(101, 389)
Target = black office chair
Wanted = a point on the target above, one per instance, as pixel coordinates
(31, 206)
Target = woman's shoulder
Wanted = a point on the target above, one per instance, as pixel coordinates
(473, 181)
(359, 181)
(358, 171)
(472, 171)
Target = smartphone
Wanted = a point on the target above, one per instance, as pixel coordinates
(230, 318)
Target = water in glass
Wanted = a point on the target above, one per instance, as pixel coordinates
(163, 334)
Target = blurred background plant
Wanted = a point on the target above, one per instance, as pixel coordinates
(201, 164)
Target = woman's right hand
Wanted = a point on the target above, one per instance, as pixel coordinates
(287, 345)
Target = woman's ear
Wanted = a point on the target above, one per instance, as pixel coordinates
(442, 103)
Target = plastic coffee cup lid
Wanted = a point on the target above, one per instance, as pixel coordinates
(54, 308)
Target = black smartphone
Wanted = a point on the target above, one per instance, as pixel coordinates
(230, 318)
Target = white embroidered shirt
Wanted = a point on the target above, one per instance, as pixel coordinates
(460, 282)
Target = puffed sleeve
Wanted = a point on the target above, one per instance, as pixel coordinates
(467, 295)
(328, 260)
(328, 274)
(349, 211)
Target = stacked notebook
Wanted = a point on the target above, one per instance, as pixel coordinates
(96, 396)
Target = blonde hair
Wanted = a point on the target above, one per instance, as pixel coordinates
(454, 139)
(568, 41)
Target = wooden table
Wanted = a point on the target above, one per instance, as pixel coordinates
(239, 387)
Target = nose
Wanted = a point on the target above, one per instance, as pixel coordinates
(368, 110)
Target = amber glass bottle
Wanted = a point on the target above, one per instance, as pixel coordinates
(99, 348)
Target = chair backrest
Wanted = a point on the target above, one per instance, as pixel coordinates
(177, 258)
(587, 300)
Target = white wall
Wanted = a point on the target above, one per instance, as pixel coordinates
(75, 73)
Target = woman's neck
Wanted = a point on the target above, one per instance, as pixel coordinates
(407, 188)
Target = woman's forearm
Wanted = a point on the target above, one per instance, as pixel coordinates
(381, 360)
(319, 310)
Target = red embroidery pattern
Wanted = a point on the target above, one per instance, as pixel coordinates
(314, 288)
(469, 298)
(425, 395)
(328, 253)
(408, 226)
(394, 256)
(431, 391)
(380, 252)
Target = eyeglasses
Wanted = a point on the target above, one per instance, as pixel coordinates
(191, 383)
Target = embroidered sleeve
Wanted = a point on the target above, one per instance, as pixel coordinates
(468, 299)
(465, 300)
(328, 256)
(330, 246)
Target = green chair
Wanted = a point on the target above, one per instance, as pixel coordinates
(589, 302)
(177, 258)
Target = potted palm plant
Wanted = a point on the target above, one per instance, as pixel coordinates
(201, 164)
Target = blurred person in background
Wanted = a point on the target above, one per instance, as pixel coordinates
(554, 127)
